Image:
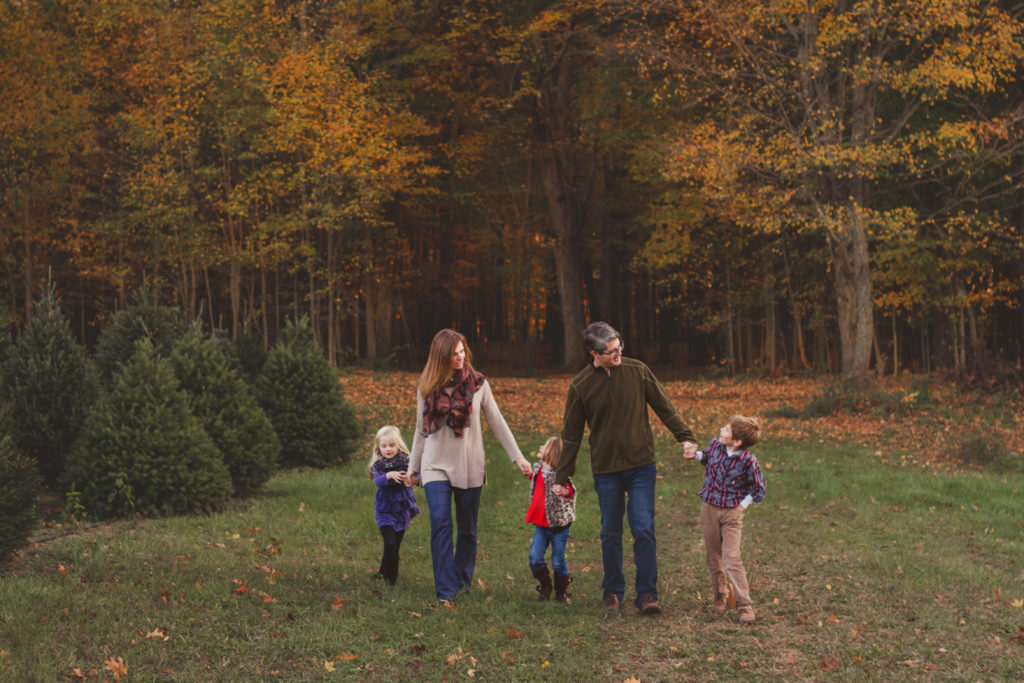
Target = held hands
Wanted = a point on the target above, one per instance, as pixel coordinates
(410, 479)
(524, 466)
(560, 490)
(689, 450)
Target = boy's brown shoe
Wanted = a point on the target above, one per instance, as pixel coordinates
(718, 604)
(611, 601)
(746, 616)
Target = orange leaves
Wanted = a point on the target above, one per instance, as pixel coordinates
(337, 603)
(330, 666)
(159, 633)
(116, 667)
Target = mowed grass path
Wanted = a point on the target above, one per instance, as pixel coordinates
(860, 570)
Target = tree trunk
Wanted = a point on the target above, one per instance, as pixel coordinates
(555, 137)
(770, 355)
(369, 297)
(848, 243)
(798, 331)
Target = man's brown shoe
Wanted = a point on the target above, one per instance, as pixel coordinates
(649, 605)
(746, 616)
(611, 601)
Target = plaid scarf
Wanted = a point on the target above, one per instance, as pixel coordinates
(440, 408)
(398, 463)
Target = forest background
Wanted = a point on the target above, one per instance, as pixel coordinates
(775, 186)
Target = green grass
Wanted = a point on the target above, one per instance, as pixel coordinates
(859, 571)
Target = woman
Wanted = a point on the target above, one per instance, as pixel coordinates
(448, 455)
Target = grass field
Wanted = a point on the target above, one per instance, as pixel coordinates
(862, 567)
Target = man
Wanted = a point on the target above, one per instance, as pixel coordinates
(611, 395)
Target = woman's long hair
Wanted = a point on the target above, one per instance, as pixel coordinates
(440, 365)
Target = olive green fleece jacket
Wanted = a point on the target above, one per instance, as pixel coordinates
(614, 404)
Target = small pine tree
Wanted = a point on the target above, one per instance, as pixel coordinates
(226, 407)
(300, 393)
(20, 485)
(142, 451)
(143, 319)
(50, 385)
(248, 354)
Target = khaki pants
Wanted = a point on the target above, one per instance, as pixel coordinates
(723, 529)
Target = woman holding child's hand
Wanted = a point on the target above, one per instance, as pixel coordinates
(448, 456)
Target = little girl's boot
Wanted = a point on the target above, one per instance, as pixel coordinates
(561, 586)
(544, 577)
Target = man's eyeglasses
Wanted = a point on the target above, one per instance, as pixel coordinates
(613, 352)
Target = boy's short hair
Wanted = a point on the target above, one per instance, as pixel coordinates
(746, 429)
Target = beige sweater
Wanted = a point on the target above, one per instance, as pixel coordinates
(442, 456)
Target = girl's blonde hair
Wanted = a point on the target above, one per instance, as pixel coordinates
(385, 432)
(440, 365)
(553, 452)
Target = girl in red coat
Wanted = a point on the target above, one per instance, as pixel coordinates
(552, 515)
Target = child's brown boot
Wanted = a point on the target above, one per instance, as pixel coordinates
(561, 586)
(718, 603)
(544, 577)
(746, 616)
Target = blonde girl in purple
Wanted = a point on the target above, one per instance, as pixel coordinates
(395, 505)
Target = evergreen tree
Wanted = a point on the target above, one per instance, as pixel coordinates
(247, 353)
(300, 393)
(20, 485)
(142, 450)
(143, 319)
(228, 411)
(50, 385)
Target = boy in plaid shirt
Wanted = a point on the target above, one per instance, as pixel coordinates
(732, 481)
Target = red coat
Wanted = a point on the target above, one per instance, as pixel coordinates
(537, 513)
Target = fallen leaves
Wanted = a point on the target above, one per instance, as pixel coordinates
(159, 633)
(533, 405)
(116, 667)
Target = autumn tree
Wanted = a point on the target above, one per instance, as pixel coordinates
(340, 149)
(45, 134)
(822, 110)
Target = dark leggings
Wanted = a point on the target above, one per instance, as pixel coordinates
(389, 562)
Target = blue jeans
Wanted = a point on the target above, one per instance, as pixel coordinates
(542, 537)
(452, 572)
(612, 490)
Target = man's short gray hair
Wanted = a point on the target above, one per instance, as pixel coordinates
(597, 336)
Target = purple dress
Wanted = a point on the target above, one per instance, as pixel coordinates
(395, 505)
